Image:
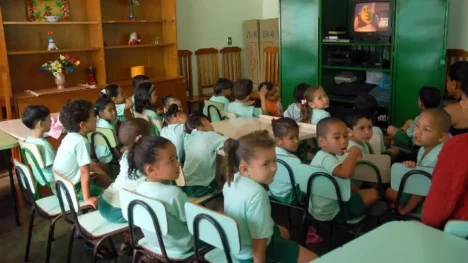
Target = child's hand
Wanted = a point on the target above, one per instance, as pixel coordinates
(249, 102)
(159, 111)
(402, 211)
(92, 201)
(410, 164)
(263, 91)
(355, 150)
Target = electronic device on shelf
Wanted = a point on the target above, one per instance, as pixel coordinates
(371, 20)
(351, 89)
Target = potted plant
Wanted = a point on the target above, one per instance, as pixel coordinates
(64, 65)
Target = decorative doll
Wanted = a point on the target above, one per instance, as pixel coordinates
(51, 45)
(91, 76)
(134, 39)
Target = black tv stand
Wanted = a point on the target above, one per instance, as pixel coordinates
(372, 39)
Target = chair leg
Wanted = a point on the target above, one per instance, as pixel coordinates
(70, 244)
(135, 256)
(50, 239)
(30, 229)
(289, 217)
(301, 232)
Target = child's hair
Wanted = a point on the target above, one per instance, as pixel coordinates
(443, 119)
(242, 89)
(138, 79)
(101, 104)
(324, 124)
(168, 101)
(171, 112)
(366, 102)
(222, 84)
(33, 114)
(282, 126)
(244, 149)
(430, 97)
(193, 121)
(145, 150)
(73, 113)
(299, 91)
(353, 118)
(459, 72)
(111, 90)
(131, 129)
(142, 96)
(306, 110)
(268, 85)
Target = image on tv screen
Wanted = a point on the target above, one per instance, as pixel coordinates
(371, 17)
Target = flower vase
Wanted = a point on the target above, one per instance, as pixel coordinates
(59, 80)
(131, 16)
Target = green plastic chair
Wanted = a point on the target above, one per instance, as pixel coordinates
(213, 228)
(213, 110)
(415, 181)
(32, 157)
(156, 129)
(457, 228)
(105, 137)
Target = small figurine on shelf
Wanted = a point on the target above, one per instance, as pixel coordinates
(91, 76)
(65, 11)
(134, 39)
(51, 45)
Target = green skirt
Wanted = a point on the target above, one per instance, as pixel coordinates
(200, 190)
(112, 214)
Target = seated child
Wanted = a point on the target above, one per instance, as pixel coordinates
(37, 119)
(332, 137)
(222, 92)
(173, 129)
(430, 133)
(242, 90)
(429, 98)
(294, 110)
(314, 104)
(201, 144)
(146, 99)
(286, 132)
(273, 99)
(121, 104)
(156, 157)
(360, 131)
(135, 83)
(73, 160)
(106, 118)
(167, 101)
(246, 200)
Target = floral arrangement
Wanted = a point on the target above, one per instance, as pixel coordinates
(65, 64)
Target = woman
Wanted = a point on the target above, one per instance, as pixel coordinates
(457, 73)
(448, 197)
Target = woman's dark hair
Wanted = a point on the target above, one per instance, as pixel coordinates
(111, 90)
(268, 84)
(138, 79)
(193, 121)
(132, 128)
(459, 72)
(353, 118)
(142, 96)
(244, 149)
(282, 126)
(168, 101)
(222, 84)
(73, 113)
(306, 110)
(170, 113)
(33, 114)
(101, 104)
(146, 150)
(299, 91)
(430, 97)
(242, 89)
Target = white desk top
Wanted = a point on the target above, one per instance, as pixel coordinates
(401, 242)
(17, 129)
(236, 128)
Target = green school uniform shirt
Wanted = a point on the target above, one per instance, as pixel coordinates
(152, 114)
(175, 133)
(200, 157)
(120, 108)
(103, 153)
(430, 159)
(365, 149)
(293, 112)
(278, 187)
(318, 115)
(73, 152)
(242, 110)
(178, 238)
(410, 130)
(324, 209)
(48, 156)
(377, 130)
(220, 99)
(247, 202)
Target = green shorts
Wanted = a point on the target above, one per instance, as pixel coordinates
(200, 190)
(352, 209)
(279, 250)
(289, 199)
(112, 214)
(95, 191)
(404, 200)
(402, 140)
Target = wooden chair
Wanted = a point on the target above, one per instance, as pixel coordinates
(185, 69)
(231, 63)
(271, 64)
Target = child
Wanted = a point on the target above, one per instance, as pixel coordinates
(37, 119)
(168, 101)
(136, 82)
(222, 91)
(242, 90)
(201, 144)
(430, 133)
(156, 157)
(286, 132)
(115, 93)
(294, 110)
(173, 130)
(273, 99)
(332, 137)
(106, 115)
(313, 105)
(429, 98)
(367, 103)
(360, 131)
(146, 99)
(73, 159)
(246, 200)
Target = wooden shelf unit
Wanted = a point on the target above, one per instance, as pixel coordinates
(23, 49)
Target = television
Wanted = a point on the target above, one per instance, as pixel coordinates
(371, 20)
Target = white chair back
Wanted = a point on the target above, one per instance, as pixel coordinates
(34, 149)
(376, 143)
(157, 123)
(70, 189)
(27, 176)
(368, 174)
(141, 116)
(180, 181)
(457, 228)
(99, 139)
(212, 113)
(417, 183)
(229, 115)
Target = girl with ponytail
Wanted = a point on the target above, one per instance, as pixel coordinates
(313, 105)
(173, 128)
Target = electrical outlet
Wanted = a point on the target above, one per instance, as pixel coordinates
(229, 41)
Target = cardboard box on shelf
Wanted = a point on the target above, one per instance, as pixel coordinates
(252, 47)
(269, 36)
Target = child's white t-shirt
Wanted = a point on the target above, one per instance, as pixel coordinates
(318, 115)
(242, 110)
(175, 133)
(293, 112)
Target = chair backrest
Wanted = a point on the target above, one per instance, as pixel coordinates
(33, 157)
(180, 181)
(457, 228)
(375, 143)
(373, 166)
(214, 228)
(207, 68)
(411, 180)
(271, 64)
(24, 177)
(285, 174)
(185, 69)
(229, 115)
(231, 63)
(141, 116)
(102, 137)
(213, 110)
(155, 124)
(66, 189)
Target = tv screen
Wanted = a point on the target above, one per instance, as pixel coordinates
(372, 17)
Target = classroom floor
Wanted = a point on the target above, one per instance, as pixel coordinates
(13, 238)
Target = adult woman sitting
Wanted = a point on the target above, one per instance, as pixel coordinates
(457, 74)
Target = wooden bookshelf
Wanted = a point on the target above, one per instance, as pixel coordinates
(97, 34)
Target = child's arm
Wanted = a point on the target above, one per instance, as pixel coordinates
(85, 187)
(346, 169)
(259, 247)
(128, 103)
(262, 93)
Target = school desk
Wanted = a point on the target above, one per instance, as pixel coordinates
(17, 129)
(6, 144)
(401, 242)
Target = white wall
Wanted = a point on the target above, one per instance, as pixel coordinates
(270, 9)
(458, 25)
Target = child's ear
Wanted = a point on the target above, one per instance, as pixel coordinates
(149, 170)
(350, 132)
(321, 142)
(443, 137)
(243, 168)
(82, 124)
(278, 141)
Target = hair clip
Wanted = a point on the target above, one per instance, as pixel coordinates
(303, 101)
(137, 138)
(103, 91)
